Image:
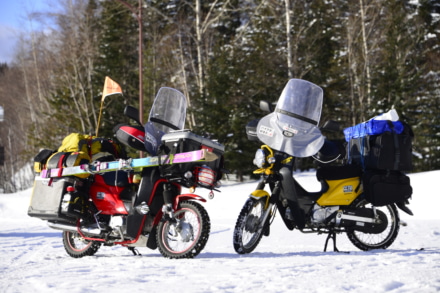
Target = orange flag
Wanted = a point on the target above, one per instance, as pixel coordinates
(110, 88)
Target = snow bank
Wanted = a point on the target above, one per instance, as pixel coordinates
(33, 258)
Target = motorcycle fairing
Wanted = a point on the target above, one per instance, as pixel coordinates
(293, 126)
(152, 138)
(106, 197)
(340, 192)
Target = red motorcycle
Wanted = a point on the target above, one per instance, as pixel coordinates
(133, 202)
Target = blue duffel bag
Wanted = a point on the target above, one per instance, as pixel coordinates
(380, 144)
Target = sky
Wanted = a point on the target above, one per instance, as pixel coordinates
(13, 21)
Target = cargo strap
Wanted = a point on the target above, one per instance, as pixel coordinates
(60, 168)
(167, 156)
(396, 146)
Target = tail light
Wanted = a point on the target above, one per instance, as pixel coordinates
(205, 176)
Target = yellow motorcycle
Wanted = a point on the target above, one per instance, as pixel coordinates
(354, 199)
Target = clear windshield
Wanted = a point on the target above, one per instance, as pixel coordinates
(293, 126)
(169, 110)
(300, 103)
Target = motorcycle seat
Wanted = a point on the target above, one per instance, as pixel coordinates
(338, 172)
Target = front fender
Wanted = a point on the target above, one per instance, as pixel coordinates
(186, 196)
(259, 193)
(177, 200)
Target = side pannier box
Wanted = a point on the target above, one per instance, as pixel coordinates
(186, 141)
(47, 196)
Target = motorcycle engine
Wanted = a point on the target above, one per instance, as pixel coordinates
(320, 214)
(117, 224)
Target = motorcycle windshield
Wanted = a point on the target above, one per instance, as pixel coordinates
(167, 113)
(293, 126)
(169, 110)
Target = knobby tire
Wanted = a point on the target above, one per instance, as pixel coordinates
(248, 228)
(187, 239)
(367, 241)
(77, 247)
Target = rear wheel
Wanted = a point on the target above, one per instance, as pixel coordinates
(76, 246)
(249, 227)
(186, 234)
(382, 240)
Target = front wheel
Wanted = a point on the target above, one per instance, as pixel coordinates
(369, 241)
(185, 235)
(249, 227)
(76, 246)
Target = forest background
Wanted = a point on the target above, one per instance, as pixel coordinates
(369, 56)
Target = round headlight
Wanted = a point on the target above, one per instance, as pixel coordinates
(205, 176)
(260, 158)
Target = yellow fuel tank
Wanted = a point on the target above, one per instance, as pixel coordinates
(341, 192)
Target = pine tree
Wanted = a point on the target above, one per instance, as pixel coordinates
(118, 49)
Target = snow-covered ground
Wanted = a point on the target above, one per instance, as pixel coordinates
(32, 257)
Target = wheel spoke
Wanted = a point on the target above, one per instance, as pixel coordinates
(76, 246)
(249, 227)
(186, 234)
(368, 241)
(179, 236)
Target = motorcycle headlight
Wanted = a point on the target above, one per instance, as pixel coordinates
(205, 176)
(260, 158)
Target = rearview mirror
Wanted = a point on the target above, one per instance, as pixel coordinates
(266, 106)
(331, 125)
(132, 113)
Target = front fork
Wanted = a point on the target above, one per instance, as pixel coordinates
(260, 193)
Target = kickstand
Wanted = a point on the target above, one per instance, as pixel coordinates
(134, 250)
(331, 235)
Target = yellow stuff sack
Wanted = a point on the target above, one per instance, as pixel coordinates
(94, 146)
(75, 142)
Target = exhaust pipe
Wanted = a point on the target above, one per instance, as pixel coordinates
(73, 228)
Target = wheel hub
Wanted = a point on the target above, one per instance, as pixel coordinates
(252, 222)
(182, 231)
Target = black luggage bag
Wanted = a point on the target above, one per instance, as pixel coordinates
(386, 187)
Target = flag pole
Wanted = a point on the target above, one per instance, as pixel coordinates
(110, 88)
(100, 114)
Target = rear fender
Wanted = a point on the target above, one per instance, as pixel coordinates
(259, 193)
